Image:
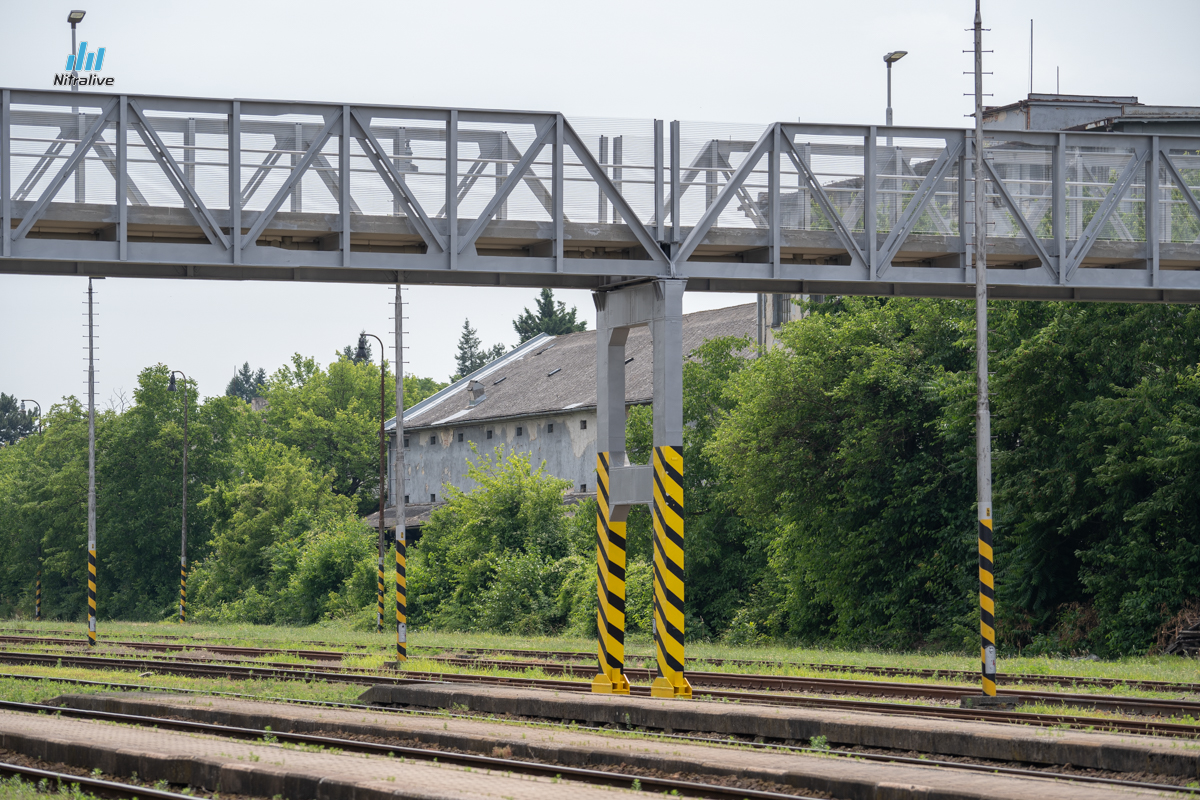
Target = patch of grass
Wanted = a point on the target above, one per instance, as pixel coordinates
(366, 649)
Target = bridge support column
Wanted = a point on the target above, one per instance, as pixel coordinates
(621, 486)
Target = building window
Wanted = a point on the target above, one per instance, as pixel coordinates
(406, 441)
(433, 439)
(583, 424)
(460, 437)
(489, 434)
(550, 428)
(583, 487)
(406, 499)
(433, 498)
(520, 430)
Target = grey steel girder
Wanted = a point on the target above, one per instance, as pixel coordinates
(492, 198)
(658, 305)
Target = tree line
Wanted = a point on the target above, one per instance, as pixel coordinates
(828, 491)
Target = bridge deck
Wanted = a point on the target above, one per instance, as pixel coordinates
(249, 190)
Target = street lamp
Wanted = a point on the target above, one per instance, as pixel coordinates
(75, 17)
(37, 592)
(889, 59)
(39, 411)
(183, 537)
(361, 355)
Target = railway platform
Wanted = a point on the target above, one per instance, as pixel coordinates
(599, 750)
(980, 740)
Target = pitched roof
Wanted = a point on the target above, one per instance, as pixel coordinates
(550, 374)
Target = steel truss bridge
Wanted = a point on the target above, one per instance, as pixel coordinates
(264, 190)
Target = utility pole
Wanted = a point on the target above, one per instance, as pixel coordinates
(983, 419)
(398, 473)
(91, 499)
(183, 536)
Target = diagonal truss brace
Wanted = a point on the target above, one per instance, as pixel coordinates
(639, 229)
(839, 226)
(916, 206)
(1102, 214)
(187, 192)
(1178, 178)
(314, 149)
(835, 219)
(515, 176)
(65, 170)
(394, 179)
(1048, 263)
(713, 212)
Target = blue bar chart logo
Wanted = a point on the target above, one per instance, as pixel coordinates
(94, 63)
(87, 61)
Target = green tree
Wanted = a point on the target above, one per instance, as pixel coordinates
(833, 441)
(551, 317)
(471, 353)
(417, 389)
(15, 422)
(269, 501)
(360, 353)
(510, 532)
(332, 417)
(246, 383)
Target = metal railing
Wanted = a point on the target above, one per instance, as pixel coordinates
(256, 189)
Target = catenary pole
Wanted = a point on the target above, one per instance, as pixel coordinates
(983, 420)
(91, 498)
(183, 535)
(398, 473)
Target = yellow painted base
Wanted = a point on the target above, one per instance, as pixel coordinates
(664, 688)
(603, 684)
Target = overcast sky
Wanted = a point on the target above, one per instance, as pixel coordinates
(754, 61)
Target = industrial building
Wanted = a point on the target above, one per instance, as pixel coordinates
(539, 398)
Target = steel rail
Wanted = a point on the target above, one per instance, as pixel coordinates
(1049, 680)
(106, 788)
(314, 655)
(851, 686)
(234, 672)
(877, 757)
(536, 768)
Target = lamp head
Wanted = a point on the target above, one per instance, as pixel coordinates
(361, 353)
(171, 385)
(894, 56)
(22, 406)
(75, 16)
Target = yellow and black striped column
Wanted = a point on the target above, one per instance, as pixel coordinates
(92, 598)
(610, 589)
(401, 594)
(379, 589)
(668, 573)
(37, 596)
(182, 591)
(987, 606)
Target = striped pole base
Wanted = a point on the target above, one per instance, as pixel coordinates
(610, 589)
(668, 574)
(401, 593)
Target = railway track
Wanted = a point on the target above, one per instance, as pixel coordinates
(787, 683)
(197, 643)
(312, 655)
(96, 786)
(365, 678)
(519, 766)
(898, 672)
(356, 745)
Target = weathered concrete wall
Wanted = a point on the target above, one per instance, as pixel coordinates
(435, 457)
